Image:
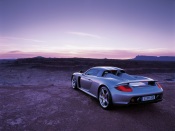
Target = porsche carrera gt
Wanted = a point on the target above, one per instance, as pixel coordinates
(112, 85)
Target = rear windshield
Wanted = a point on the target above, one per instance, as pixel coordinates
(114, 72)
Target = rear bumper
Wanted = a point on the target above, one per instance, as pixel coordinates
(137, 99)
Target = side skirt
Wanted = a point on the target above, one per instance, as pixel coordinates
(86, 91)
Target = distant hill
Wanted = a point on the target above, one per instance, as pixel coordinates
(155, 58)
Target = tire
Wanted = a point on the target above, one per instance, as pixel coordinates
(74, 82)
(104, 97)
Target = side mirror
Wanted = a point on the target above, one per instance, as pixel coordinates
(81, 71)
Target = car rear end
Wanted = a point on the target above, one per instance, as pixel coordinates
(137, 92)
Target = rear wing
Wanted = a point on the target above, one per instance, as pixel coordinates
(150, 82)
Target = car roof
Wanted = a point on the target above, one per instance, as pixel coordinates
(106, 68)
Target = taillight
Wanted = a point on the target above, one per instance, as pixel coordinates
(159, 85)
(124, 88)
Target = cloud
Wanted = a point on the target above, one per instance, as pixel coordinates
(85, 34)
(14, 52)
(24, 39)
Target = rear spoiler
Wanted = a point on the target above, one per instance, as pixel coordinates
(135, 81)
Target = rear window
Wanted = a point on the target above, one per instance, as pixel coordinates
(114, 72)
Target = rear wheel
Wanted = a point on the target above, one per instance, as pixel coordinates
(74, 82)
(104, 98)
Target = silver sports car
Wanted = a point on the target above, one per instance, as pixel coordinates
(111, 85)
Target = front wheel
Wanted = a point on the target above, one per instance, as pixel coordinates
(104, 98)
(74, 82)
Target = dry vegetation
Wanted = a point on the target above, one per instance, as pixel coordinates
(85, 63)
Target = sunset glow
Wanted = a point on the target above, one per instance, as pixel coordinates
(86, 28)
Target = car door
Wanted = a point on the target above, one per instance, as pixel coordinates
(87, 78)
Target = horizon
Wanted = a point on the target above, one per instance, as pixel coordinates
(87, 29)
(83, 57)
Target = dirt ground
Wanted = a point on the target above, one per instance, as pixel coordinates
(37, 99)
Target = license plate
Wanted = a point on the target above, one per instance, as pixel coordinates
(148, 98)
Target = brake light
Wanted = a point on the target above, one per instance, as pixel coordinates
(124, 88)
(159, 85)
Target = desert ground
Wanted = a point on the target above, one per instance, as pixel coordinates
(36, 94)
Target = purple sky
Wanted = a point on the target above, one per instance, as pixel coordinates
(87, 28)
